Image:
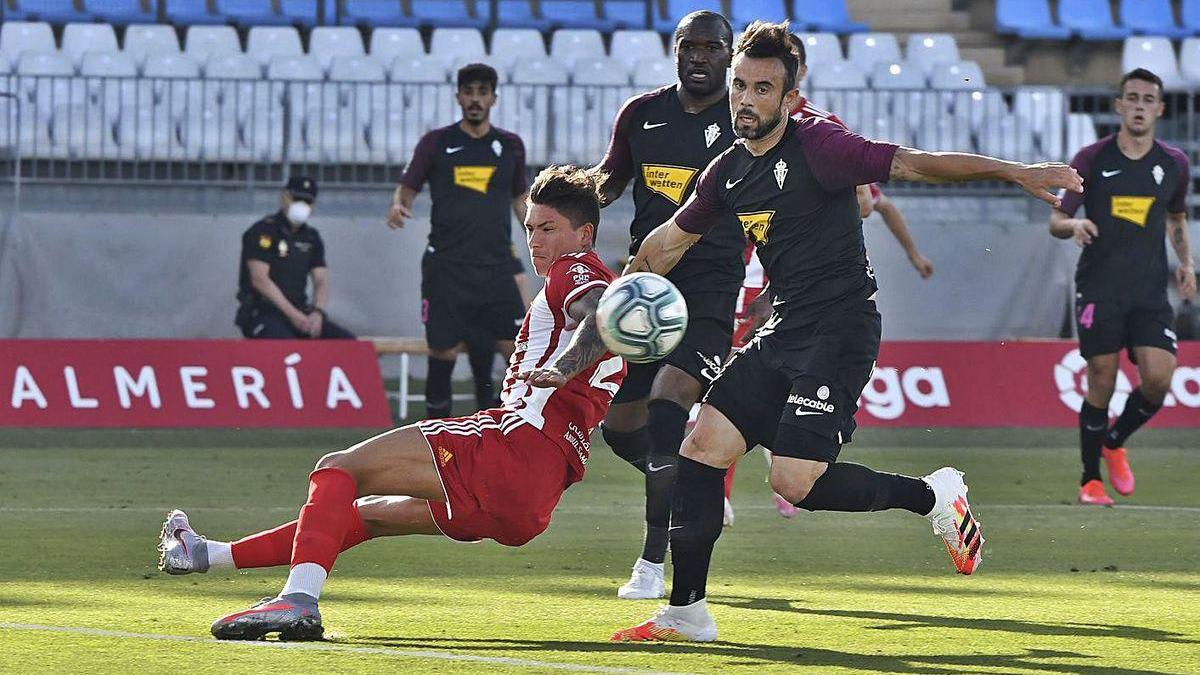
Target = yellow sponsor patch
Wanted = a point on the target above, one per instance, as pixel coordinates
(668, 181)
(1133, 209)
(474, 177)
(756, 225)
(264, 241)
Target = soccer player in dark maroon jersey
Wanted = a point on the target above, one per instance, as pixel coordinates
(1135, 198)
(472, 284)
(794, 388)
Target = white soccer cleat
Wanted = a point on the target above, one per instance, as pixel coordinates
(180, 549)
(953, 519)
(727, 518)
(692, 623)
(646, 583)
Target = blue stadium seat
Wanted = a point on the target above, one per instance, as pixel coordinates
(190, 12)
(1189, 15)
(122, 12)
(304, 12)
(677, 9)
(745, 11)
(1090, 20)
(830, 16)
(519, 14)
(375, 13)
(574, 14)
(1029, 19)
(251, 13)
(450, 14)
(627, 14)
(50, 11)
(1151, 17)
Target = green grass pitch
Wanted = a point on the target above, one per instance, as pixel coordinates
(1063, 588)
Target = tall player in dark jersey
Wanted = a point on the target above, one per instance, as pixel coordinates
(661, 141)
(472, 282)
(794, 388)
(1137, 187)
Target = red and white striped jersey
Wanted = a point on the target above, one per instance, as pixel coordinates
(566, 415)
(756, 278)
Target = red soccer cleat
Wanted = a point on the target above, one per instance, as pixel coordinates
(1092, 492)
(673, 624)
(1120, 476)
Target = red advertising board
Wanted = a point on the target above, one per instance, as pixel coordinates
(1038, 383)
(190, 383)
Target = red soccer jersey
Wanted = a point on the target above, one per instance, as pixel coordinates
(805, 109)
(566, 415)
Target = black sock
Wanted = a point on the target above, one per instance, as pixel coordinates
(481, 358)
(631, 446)
(1093, 423)
(696, 510)
(1137, 412)
(437, 388)
(846, 486)
(665, 424)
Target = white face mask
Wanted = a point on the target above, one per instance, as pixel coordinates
(298, 213)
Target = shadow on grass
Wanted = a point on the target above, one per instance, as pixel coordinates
(899, 621)
(751, 655)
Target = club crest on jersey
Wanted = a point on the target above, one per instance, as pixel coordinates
(781, 170)
(711, 133)
(756, 225)
(1133, 209)
(474, 177)
(669, 181)
(1158, 174)
(496, 147)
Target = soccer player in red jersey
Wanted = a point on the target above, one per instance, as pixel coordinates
(1135, 199)
(497, 474)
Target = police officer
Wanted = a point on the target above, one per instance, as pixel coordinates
(279, 254)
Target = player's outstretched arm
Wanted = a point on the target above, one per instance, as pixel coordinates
(1042, 180)
(662, 249)
(1185, 273)
(584, 349)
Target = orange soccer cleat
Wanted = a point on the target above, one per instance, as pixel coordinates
(1120, 476)
(1092, 492)
(673, 624)
(954, 521)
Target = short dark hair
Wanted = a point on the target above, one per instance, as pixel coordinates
(762, 40)
(703, 15)
(572, 191)
(1139, 74)
(798, 46)
(477, 72)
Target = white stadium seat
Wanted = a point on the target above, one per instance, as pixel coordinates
(454, 43)
(236, 66)
(419, 69)
(1045, 108)
(348, 68)
(1007, 137)
(48, 82)
(110, 81)
(1081, 131)
(896, 76)
(601, 71)
(6, 66)
(631, 46)
(204, 42)
(1155, 54)
(821, 49)
(944, 133)
(106, 63)
(511, 44)
(326, 42)
(359, 81)
(172, 81)
(81, 132)
(539, 70)
(844, 75)
(142, 40)
(335, 137)
(389, 43)
(17, 37)
(926, 50)
(975, 106)
(961, 75)
(867, 49)
(530, 93)
(1189, 61)
(84, 37)
(570, 45)
(264, 43)
(654, 72)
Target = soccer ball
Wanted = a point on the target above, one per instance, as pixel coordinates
(641, 317)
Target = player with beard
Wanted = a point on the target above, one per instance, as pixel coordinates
(1136, 198)
(661, 140)
(794, 388)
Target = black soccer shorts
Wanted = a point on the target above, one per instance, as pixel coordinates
(1108, 326)
(794, 388)
(468, 308)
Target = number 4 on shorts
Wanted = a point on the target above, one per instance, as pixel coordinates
(1087, 316)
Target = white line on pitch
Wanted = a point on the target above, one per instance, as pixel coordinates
(328, 647)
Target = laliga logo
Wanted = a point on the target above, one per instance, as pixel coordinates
(888, 390)
(1069, 376)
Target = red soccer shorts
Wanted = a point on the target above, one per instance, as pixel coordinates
(501, 475)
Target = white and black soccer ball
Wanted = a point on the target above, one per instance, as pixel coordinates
(641, 317)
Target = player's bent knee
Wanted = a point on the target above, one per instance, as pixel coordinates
(793, 483)
(704, 450)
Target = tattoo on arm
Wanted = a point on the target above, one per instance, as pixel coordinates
(585, 347)
(1177, 226)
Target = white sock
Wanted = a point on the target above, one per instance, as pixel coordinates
(220, 554)
(642, 562)
(693, 613)
(307, 578)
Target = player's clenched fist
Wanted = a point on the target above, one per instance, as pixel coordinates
(1043, 180)
(1085, 231)
(397, 214)
(544, 377)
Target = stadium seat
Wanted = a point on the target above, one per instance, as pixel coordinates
(600, 71)
(1155, 54)
(943, 133)
(1081, 131)
(630, 46)
(539, 70)
(926, 50)
(1189, 60)
(573, 14)
(1045, 108)
(233, 89)
(1151, 17)
(1189, 15)
(529, 104)
(453, 43)
(172, 82)
(842, 75)
(1007, 137)
(266, 42)
(1029, 19)
(503, 65)
(821, 48)
(826, 16)
(304, 12)
(21, 36)
(110, 82)
(900, 97)
(519, 14)
(49, 82)
(236, 66)
(78, 38)
(142, 40)
(867, 49)
(654, 72)
(896, 76)
(247, 13)
(203, 42)
(123, 12)
(1090, 19)
(568, 46)
(79, 131)
(674, 10)
(191, 12)
(746, 11)
(375, 13)
(511, 44)
(387, 44)
(420, 69)
(627, 14)
(50, 11)
(975, 106)
(326, 42)
(147, 133)
(963, 75)
(450, 14)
